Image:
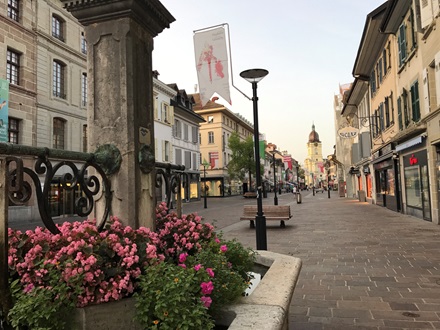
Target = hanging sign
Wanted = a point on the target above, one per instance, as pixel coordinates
(4, 102)
(348, 132)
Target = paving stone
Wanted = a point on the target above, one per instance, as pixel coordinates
(357, 258)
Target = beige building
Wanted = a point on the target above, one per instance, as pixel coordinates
(220, 123)
(398, 61)
(44, 54)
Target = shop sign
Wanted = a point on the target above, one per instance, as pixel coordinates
(348, 132)
(413, 160)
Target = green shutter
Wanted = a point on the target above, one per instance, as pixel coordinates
(399, 113)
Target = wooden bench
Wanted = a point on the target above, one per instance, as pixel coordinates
(271, 212)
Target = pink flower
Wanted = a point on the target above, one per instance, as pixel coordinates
(207, 287)
(197, 267)
(217, 240)
(210, 272)
(223, 248)
(206, 301)
(182, 265)
(182, 257)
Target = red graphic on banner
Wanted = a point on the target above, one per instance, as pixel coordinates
(208, 56)
(413, 160)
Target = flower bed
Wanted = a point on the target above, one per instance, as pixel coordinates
(180, 275)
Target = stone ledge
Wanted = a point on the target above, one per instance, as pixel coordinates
(268, 306)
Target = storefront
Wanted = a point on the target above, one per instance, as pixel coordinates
(416, 183)
(213, 187)
(386, 179)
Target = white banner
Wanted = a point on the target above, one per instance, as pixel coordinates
(212, 64)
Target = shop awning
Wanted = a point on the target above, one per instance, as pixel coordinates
(410, 143)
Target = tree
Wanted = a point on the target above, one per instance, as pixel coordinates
(243, 160)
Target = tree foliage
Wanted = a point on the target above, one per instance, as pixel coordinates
(242, 160)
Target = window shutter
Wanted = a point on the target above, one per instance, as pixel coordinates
(381, 116)
(163, 151)
(194, 161)
(171, 114)
(426, 105)
(426, 12)
(178, 153)
(156, 154)
(415, 102)
(171, 152)
(399, 113)
(155, 109)
(437, 77)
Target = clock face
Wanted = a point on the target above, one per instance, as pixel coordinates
(316, 144)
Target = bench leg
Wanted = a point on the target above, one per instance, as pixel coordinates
(282, 224)
(252, 224)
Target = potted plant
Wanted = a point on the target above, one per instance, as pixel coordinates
(179, 275)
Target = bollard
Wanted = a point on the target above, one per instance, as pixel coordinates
(298, 198)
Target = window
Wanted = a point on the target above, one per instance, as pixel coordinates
(210, 119)
(165, 113)
(185, 132)
(12, 67)
(13, 9)
(384, 60)
(177, 129)
(379, 71)
(84, 138)
(373, 82)
(415, 104)
(387, 112)
(84, 89)
(13, 130)
(195, 134)
(187, 160)
(210, 137)
(58, 133)
(83, 43)
(401, 43)
(166, 151)
(58, 27)
(399, 113)
(58, 79)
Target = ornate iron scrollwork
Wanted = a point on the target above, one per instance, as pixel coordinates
(172, 176)
(89, 186)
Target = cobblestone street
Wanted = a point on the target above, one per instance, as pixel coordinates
(364, 266)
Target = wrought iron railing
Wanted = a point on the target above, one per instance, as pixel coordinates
(87, 172)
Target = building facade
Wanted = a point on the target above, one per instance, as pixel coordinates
(214, 136)
(398, 59)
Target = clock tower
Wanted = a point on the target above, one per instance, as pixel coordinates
(314, 163)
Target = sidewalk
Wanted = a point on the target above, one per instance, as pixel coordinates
(364, 266)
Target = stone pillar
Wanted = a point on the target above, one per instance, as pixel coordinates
(119, 38)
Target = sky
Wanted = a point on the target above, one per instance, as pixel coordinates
(308, 47)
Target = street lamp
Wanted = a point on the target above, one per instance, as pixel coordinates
(298, 194)
(254, 76)
(327, 167)
(205, 202)
(275, 199)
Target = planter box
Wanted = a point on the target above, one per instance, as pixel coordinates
(267, 308)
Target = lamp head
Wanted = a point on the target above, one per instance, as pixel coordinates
(254, 75)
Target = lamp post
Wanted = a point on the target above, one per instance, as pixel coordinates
(327, 166)
(254, 76)
(275, 199)
(298, 193)
(205, 202)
